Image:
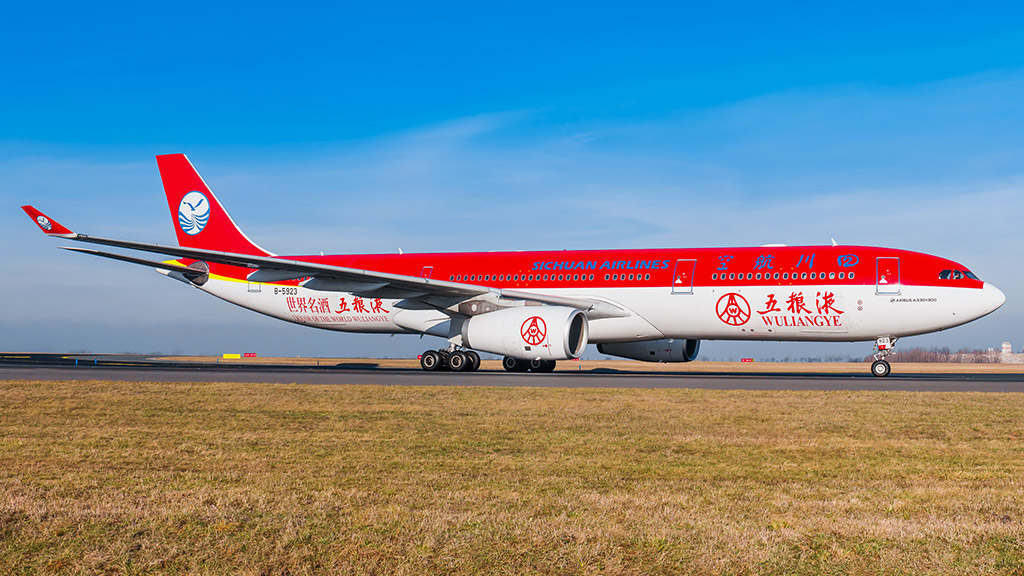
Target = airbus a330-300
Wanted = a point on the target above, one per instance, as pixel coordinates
(535, 308)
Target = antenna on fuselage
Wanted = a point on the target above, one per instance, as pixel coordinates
(834, 243)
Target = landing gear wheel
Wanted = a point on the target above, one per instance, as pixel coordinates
(431, 360)
(545, 366)
(459, 362)
(536, 364)
(474, 361)
(514, 364)
(880, 368)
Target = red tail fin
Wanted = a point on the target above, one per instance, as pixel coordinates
(200, 220)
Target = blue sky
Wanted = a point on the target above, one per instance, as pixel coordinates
(465, 126)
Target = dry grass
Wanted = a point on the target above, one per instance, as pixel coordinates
(133, 478)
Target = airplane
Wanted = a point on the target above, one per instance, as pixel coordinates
(536, 308)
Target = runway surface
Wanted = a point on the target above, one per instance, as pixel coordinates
(141, 369)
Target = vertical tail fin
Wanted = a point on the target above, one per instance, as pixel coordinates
(200, 220)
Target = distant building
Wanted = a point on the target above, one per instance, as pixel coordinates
(1008, 357)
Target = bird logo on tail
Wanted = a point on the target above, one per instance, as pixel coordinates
(193, 213)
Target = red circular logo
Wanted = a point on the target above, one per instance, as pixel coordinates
(733, 309)
(534, 330)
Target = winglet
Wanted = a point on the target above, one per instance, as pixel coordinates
(48, 225)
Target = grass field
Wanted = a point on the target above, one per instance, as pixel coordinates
(137, 478)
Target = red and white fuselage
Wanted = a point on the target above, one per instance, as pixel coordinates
(813, 293)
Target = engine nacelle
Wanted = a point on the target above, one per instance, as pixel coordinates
(664, 350)
(529, 332)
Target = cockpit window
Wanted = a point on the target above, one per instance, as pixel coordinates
(957, 275)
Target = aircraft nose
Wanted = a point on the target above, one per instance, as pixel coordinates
(994, 297)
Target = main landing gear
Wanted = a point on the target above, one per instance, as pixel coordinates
(469, 361)
(454, 360)
(517, 365)
(883, 347)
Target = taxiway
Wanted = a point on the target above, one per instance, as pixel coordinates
(127, 368)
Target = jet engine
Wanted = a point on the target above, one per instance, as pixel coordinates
(529, 332)
(664, 350)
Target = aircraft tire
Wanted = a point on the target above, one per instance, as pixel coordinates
(474, 361)
(459, 362)
(546, 366)
(880, 368)
(511, 364)
(430, 361)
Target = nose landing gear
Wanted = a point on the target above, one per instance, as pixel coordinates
(883, 347)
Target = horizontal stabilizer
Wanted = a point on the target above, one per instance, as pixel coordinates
(190, 273)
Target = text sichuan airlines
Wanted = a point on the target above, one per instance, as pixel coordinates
(606, 265)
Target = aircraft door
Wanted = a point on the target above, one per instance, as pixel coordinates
(682, 277)
(426, 272)
(888, 276)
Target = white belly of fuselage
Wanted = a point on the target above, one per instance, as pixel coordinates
(819, 313)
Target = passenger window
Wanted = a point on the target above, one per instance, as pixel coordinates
(758, 276)
(831, 275)
(803, 276)
(714, 276)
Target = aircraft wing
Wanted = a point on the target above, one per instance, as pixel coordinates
(368, 283)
